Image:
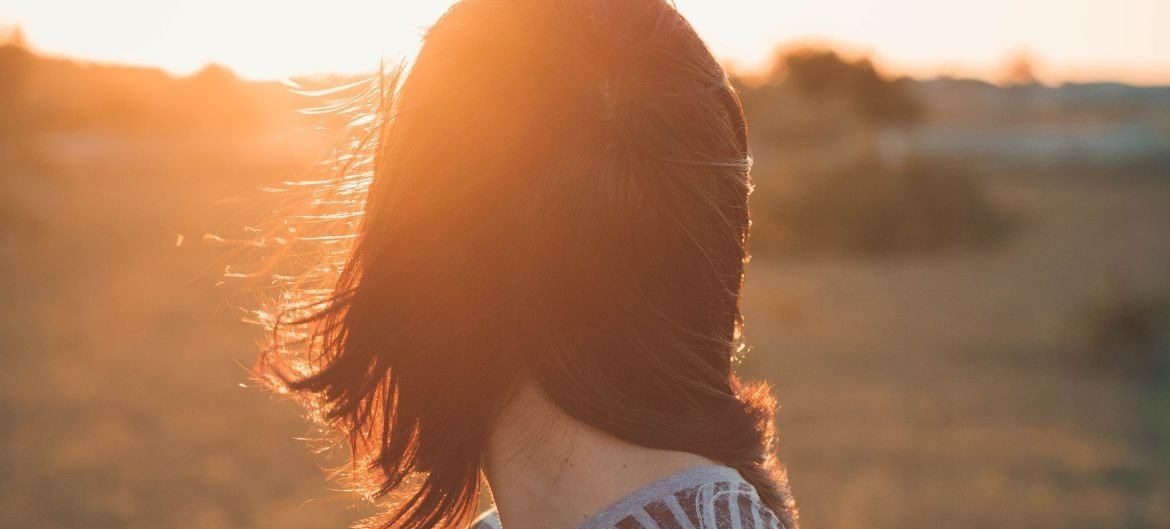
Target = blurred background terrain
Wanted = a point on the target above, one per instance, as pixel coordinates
(960, 290)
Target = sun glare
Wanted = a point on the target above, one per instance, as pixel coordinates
(1072, 39)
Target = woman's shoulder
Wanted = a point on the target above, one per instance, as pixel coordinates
(700, 498)
(486, 520)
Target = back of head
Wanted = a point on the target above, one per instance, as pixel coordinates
(559, 196)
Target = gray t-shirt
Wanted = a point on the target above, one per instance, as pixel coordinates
(702, 497)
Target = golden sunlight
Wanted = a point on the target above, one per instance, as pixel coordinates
(1070, 40)
(955, 283)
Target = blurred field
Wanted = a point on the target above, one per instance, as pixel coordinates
(1019, 382)
(971, 389)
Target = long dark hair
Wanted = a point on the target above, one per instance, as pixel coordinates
(556, 192)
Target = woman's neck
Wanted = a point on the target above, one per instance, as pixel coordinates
(547, 470)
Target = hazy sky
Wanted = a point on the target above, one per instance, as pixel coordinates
(1070, 39)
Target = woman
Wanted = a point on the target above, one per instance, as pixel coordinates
(544, 284)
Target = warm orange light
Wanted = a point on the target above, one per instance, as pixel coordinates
(1073, 39)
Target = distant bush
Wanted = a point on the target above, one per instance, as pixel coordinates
(1127, 331)
(812, 94)
(869, 207)
(823, 74)
(822, 115)
(42, 94)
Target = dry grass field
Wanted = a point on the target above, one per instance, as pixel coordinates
(1016, 386)
(980, 389)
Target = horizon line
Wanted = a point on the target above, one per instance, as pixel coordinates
(921, 74)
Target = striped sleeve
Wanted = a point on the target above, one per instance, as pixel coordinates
(485, 520)
(719, 505)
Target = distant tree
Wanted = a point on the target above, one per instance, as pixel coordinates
(13, 36)
(825, 74)
(1019, 70)
(15, 67)
(214, 75)
(220, 99)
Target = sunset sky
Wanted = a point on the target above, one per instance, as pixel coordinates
(1077, 40)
